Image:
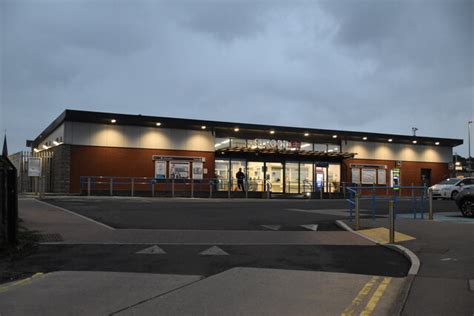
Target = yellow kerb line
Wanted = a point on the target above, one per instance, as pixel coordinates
(21, 282)
(369, 308)
(360, 296)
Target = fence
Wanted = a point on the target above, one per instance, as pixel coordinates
(9, 202)
(148, 186)
(33, 184)
(421, 193)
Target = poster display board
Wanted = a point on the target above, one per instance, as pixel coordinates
(356, 175)
(197, 170)
(34, 167)
(369, 176)
(179, 170)
(160, 169)
(382, 176)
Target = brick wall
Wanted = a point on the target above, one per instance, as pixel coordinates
(61, 168)
(123, 162)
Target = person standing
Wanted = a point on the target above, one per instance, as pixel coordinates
(240, 179)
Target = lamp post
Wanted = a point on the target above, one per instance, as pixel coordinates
(469, 145)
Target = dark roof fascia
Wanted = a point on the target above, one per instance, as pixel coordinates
(226, 129)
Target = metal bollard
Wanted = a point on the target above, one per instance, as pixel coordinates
(210, 190)
(228, 189)
(133, 187)
(111, 186)
(152, 189)
(391, 215)
(357, 211)
(192, 188)
(89, 186)
(321, 193)
(430, 204)
(172, 188)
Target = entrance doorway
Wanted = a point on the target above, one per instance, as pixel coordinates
(255, 176)
(426, 177)
(275, 176)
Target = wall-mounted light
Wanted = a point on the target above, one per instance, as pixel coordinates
(36, 150)
(56, 143)
(113, 121)
(306, 134)
(437, 143)
(203, 127)
(334, 136)
(236, 129)
(272, 132)
(45, 147)
(364, 138)
(414, 142)
(158, 124)
(390, 140)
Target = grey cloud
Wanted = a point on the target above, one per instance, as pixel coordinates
(380, 66)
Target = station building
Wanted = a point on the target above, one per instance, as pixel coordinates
(286, 160)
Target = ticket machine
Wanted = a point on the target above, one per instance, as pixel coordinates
(395, 179)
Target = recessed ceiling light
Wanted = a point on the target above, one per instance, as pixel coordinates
(236, 129)
(414, 142)
(306, 134)
(158, 124)
(437, 143)
(390, 140)
(203, 127)
(334, 136)
(364, 138)
(272, 132)
(113, 121)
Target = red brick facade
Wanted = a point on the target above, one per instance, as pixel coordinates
(124, 162)
(410, 171)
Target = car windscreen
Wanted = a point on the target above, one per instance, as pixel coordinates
(449, 181)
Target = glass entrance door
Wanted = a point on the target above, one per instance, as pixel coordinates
(255, 176)
(275, 176)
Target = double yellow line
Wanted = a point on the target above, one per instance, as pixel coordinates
(21, 282)
(374, 299)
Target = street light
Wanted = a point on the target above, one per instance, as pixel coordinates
(469, 144)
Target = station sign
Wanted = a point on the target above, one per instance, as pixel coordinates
(274, 144)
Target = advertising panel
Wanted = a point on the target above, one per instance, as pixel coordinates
(197, 170)
(34, 167)
(160, 169)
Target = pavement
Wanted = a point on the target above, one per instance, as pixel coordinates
(257, 257)
(445, 249)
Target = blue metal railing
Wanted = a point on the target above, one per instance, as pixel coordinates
(356, 192)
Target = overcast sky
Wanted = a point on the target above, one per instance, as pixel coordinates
(379, 66)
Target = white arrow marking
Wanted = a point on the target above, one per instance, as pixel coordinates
(153, 250)
(272, 227)
(214, 251)
(313, 227)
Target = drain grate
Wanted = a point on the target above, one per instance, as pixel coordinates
(50, 237)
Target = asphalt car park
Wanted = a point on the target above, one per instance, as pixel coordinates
(222, 214)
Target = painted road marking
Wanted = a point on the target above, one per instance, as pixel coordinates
(78, 215)
(21, 282)
(214, 251)
(153, 250)
(381, 235)
(313, 227)
(272, 227)
(369, 308)
(360, 297)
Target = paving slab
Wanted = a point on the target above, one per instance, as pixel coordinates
(247, 291)
(86, 293)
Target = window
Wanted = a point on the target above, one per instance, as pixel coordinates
(334, 177)
(291, 177)
(306, 177)
(321, 147)
(237, 142)
(222, 174)
(235, 166)
(222, 143)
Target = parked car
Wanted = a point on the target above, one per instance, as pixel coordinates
(449, 188)
(465, 202)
